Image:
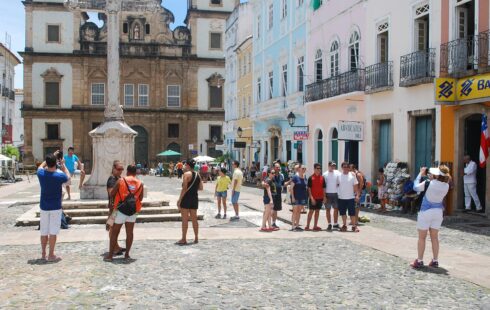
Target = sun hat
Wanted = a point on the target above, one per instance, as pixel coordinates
(436, 171)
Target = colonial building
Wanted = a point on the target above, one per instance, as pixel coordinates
(462, 90)
(279, 44)
(238, 97)
(171, 80)
(8, 61)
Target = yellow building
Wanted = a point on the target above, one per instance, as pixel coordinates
(244, 54)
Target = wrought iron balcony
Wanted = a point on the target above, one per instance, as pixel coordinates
(12, 95)
(459, 57)
(379, 77)
(5, 92)
(417, 68)
(336, 85)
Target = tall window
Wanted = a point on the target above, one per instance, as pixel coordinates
(271, 84)
(53, 33)
(52, 93)
(259, 89)
(249, 62)
(215, 40)
(334, 58)
(318, 65)
(301, 73)
(53, 131)
(284, 80)
(354, 50)
(143, 94)
(284, 8)
(216, 2)
(259, 25)
(421, 25)
(173, 96)
(173, 130)
(271, 16)
(98, 93)
(383, 42)
(128, 94)
(215, 131)
(215, 97)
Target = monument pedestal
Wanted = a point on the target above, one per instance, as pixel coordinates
(112, 140)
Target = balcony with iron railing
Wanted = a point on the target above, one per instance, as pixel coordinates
(379, 77)
(12, 95)
(417, 68)
(337, 85)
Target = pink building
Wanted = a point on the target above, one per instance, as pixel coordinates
(335, 108)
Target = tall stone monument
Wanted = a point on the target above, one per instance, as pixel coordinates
(113, 139)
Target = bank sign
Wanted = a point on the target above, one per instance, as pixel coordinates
(452, 91)
(348, 130)
(301, 135)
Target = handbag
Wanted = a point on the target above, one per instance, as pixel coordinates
(128, 205)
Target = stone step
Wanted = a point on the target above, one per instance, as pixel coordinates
(84, 220)
(103, 212)
(102, 204)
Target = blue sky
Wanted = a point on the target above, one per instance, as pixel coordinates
(12, 21)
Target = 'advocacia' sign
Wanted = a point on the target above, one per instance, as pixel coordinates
(353, 131)
(452, 91)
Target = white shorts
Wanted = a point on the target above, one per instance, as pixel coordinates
(431, 218)
(123, 218)
(50, 222)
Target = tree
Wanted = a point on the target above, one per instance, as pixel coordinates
(10, 150)
(224, 158)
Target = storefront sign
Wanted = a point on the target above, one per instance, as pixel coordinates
(191, 147)
(450, 90)
(350, 131)
(239, 145)
(301, 135)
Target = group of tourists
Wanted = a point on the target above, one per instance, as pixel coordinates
(336, 190)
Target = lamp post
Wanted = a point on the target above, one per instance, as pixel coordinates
(292, 120)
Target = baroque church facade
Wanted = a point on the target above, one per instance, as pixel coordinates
(171, 81)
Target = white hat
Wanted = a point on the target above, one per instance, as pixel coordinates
(436, 171)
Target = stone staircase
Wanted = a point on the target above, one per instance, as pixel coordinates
(95, 212)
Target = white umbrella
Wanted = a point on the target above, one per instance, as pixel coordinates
(5, 158)
(201, 159)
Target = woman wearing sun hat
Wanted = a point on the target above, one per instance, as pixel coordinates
(431, 211)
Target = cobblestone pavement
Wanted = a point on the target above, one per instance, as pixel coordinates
(230, 274)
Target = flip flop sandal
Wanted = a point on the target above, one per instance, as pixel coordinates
(54, 260)
(119, 253)
(180, 243)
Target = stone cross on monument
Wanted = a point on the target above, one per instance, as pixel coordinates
(113, 139)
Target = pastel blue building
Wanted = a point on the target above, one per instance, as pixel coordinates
(279, 78)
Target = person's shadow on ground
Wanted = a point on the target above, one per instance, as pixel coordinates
(438, 270)
(40, 261)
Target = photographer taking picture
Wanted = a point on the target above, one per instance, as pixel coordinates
(51, 180)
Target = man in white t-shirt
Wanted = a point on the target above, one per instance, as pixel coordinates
(349, 194)
(236, 186)
(331, 177)
(469, 179)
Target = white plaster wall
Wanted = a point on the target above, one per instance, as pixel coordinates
(39, 132)
(399, 101)
(228, 5)
(65, 87)
(203, 135)
(204, 28)
(202, 87)
(18, 121)
(40, 20)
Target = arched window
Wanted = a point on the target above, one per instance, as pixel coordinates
(354, 50)
(334, 58)
(318, 65)
(334, 146)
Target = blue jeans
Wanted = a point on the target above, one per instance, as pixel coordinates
(221, 194)
(234, 197)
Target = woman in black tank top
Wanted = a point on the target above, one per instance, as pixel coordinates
(189, 202)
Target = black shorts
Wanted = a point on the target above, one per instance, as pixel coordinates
(317, 206)
(277, 200)
(347, 206)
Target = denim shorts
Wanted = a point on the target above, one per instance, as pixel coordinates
(266, 200)
(234, 197)
(347, 205)
(301, 202)
(221, 194)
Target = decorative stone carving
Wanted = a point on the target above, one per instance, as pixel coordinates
(215, 25)
(113, 6)
(182, 35)
(51, 74)
(215, 80)
(89, 32)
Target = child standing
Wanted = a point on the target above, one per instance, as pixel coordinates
(269, 189)
(221, 190)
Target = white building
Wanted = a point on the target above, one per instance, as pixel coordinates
(18, 120)
(8, 61)
(402, 120)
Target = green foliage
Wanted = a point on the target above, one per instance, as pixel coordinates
(223, 158)
(10, 150)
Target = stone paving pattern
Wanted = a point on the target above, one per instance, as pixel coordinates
(303, 273)
(231, 274)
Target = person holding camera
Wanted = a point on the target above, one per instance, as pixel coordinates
(127, 195)
(51, 181)
(70, 160)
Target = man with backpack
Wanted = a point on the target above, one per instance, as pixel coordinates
(127, 195)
